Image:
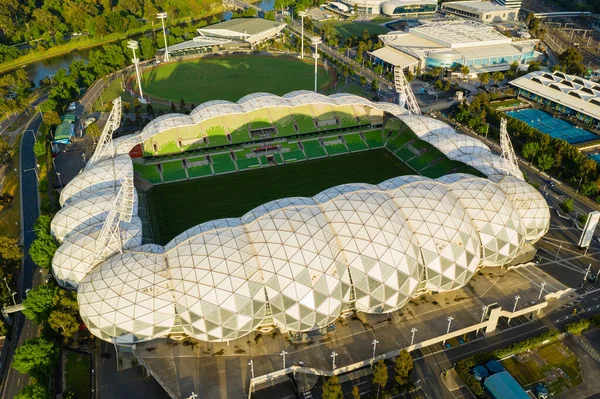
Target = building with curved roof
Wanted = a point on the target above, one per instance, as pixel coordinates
(297, 263)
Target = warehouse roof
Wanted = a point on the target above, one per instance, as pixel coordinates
(504, 386)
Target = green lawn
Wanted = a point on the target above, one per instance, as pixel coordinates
(229, 78)
(77, 374)
(179, 206)
(347, 29)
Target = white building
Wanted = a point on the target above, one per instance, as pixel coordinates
(510, 3)
(446, 44)
(393, 8)
(483, 11)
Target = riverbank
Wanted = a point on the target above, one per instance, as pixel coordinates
(85, 43)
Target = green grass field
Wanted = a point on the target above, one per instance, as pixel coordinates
(347, 29)
(212, 78)
(78, 374)
(179, 206)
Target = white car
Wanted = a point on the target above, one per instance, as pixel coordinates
(72, 106)
(89, 121)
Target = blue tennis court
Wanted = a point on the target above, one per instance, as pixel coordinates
(595, 157)
(555, 127)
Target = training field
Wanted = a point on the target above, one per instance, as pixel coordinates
(230, 78)
(176, 207)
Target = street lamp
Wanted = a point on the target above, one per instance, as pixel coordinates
(374, 342)
(282, 354)
(302, 15)
(9, 290)
(450, 318)
(251, 364)
(333, 355)
(316, 41)
(133, 45)
(162, 16)
(541, 290)
(412, 338)
(517, 297)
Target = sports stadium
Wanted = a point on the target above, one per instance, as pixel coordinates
(282, 212)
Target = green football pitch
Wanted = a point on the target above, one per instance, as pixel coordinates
(230, 78)
(179, 206)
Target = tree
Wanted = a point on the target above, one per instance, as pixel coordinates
(33, 391)
(380, 375)
(332, 389)
(497, 76)
(39, 148)
(363, 80)
(270, 15)
(40, 302)
(173, 109)
(64, 322)
(51, 118)
(484, 78)
(10, 250)
(5, 152)
(93, 130)
(438, 85)
(447, 85)
(545, 162)
(43, 247)
(530, 149)
(35, 357)
(355, 392)
(374, 85)
(404, 365)
(567, 205)
(464, 71)
(149, 109)
(534, 66)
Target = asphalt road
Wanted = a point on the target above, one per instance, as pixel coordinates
(24, 329)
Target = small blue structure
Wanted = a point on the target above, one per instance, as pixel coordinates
(494, 366)
(541, 391)
(480, 373)
(503, 386)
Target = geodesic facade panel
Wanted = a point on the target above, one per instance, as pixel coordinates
(105, 174)
(377, 246)
(128, 298)
(75, 256)
(530, 204)
(498, 223)
(449, 243)
(219, 291)
(305, 283)
(81, 214)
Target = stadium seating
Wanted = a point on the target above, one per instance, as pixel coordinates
(259, 119)
(304, 119)
(173, 170)
(323, 112)
(398, 141)
(199, 171)
(355, 142)
(424, 160)
(334, 146)
(237, 126)
(361, 114)
(148, 172)
(440, 168)
(346, 115)
(291, 152)
(404, 154)
(246, 159)
(222, 163)
(214, 131)
(374, 138)
(420, 145)
(283, 120)
(313, 149)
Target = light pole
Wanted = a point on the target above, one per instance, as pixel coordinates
(517, 297)
(162, 16)
(412, 338)
(251, 364)
(450, 318)
(587, 272)
(333, 355)
(316, 41)
(83, 156)
(36, 172)
(133, 45)
(374, 342)
(302, 15)
(282, 354)
(558, 251)
(541, 290)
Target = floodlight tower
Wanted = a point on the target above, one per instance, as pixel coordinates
(302, 15)
(316, 41)
(162, 16)
(133, 45)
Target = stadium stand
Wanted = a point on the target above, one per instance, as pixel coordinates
(439, 168)
(238, 128)
(291, 152)
(313, 149)
(361, 114)
(404, 154)
(334, 146)
(195, 159)
(420, 145)
(304, 119)
(173, 170)
(259, 119)
(148, 172)
(222, 163)
(345, 115)
(374, 138)
(355, 142)
(199, 171)
(215, 132)
(399, 140)
(283, 121)
(246, 159)
(424, 159)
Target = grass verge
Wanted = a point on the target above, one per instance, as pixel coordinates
(77, 374)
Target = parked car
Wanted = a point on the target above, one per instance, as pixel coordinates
(72, 106)
(89, 121)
